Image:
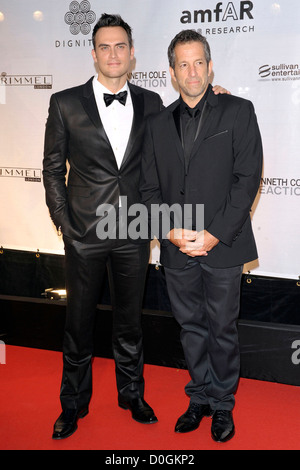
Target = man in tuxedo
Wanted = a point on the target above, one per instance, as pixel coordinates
(203, 152)
(98, 127)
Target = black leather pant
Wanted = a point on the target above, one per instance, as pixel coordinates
(86, 264)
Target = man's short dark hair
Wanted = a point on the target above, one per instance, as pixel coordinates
(185, 36)
(112, 20)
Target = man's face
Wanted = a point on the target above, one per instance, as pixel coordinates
(191, 71)
(112, 53)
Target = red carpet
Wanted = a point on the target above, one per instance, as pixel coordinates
(267, 415)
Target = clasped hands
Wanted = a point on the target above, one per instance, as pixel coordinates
(191, 242)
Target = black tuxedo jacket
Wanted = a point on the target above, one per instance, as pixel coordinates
(74, 133)
(223, 174)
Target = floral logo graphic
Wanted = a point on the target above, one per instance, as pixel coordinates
(80, 17)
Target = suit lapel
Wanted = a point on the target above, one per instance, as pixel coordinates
(206, 118)
(138, 117)
(204, 123)
(91, 108)
(90, 105)
(174, 124)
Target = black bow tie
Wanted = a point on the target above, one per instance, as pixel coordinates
(121, 97)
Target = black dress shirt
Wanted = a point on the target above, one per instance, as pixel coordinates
(189, 122)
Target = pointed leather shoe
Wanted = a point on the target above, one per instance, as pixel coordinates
(191, 419)
(66, 424)
(140, 410)
(222, 428)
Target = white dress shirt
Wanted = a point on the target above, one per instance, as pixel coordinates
(116, 119)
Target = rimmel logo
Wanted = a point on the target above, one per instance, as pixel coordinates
(221, 12)
(29, 174)
(36, 81)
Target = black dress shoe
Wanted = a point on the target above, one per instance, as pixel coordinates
(222, 428)
(191, 419)
(140, 410)
(66, 424)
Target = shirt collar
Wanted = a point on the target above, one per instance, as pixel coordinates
(100, 89)
(184, 108)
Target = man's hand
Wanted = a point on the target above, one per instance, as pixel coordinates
(180, 236)
(219, 89)
(202, 244)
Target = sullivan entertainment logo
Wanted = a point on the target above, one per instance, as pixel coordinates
(39, 82)
(223, 11)
(281, 72)
(29, 174)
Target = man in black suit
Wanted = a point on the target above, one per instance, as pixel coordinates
(102, 142)
(101, 138)
(203, 151)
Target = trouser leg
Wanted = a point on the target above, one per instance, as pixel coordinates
(205, 302)
(85, 270)
(222, 304)
(127, 268)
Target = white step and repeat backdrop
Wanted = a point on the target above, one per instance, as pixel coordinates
(46, 46)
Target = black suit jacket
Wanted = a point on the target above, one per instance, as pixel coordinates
(74, 133)
(223, 174)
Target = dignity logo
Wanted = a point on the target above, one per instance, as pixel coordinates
(80, 17)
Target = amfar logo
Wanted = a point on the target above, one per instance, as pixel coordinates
(221, 12)
(80, 17)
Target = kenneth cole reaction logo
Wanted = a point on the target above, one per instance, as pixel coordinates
(153, 79)
(280, 72)
(280, 186)
(29, 174)
(234, 11)
(39, 82)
